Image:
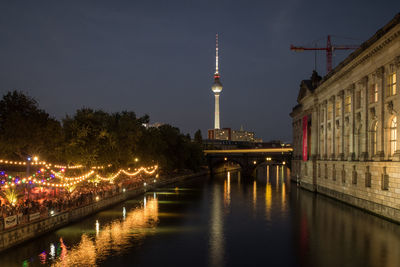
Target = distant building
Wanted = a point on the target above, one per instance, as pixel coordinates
(220, 134)
(246, 136)
(232, 135)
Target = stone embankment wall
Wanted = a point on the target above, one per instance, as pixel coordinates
(22, 233)
(372, 186)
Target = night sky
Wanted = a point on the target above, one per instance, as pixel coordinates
(158, 57)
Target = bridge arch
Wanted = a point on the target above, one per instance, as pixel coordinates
(249, 159)
(222, 161)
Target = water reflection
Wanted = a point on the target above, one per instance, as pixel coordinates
(268, 200)
(254, 194)
(216, 236)
(52, 252)
(360, 239)
(112, 238)
(227, 191)
(226, 220)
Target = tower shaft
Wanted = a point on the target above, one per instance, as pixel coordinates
(216, 115)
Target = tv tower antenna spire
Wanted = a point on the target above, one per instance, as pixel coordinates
(216, 53)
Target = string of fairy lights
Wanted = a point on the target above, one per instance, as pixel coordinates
(65, 181)
(46, 164)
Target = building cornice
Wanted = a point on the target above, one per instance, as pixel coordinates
(362, 54)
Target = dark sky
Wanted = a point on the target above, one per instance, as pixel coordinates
(157, 57)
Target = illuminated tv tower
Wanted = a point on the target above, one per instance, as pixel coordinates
(216, 87)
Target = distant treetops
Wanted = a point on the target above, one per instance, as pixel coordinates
(92, 137)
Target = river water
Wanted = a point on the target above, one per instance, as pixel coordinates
(225, 220)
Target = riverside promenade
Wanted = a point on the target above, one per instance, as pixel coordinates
(27, 231)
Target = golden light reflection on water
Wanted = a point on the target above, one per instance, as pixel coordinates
(283, 196)
(254, 194)
(113, 237)
(229, 184)
(216, 238)
(268, 200)
(227, 190)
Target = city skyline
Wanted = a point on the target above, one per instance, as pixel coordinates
(145, 57)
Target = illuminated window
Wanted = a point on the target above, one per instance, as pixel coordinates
(338, 108)
(347, 104)
(330, 109)
(391, 84)
(373, 98)
(393, 135)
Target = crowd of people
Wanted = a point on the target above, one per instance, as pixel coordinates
(47, 203)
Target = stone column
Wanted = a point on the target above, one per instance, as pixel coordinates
(396, 156)
(364, 119)
(326, 131)
(319, 131)
(341, 97)
(380, 154)
(314, 130)
(333, 127)
(350, 92)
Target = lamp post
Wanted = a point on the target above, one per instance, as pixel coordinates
(28, 163)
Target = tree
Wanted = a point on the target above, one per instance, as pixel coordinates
(94, 137)
(27, 130)
(198, 139)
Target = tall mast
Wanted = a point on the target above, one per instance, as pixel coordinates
(216, 54)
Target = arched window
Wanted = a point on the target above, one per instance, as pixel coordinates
(393, 135)
(374, 138)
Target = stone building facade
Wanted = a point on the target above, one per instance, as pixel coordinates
(346, 127)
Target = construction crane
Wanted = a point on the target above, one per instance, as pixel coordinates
(329, 50)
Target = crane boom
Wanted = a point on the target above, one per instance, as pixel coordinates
(329, 49)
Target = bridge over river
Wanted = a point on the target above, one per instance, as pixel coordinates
(249, 159)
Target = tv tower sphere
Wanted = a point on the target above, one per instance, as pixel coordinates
(216, 87)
